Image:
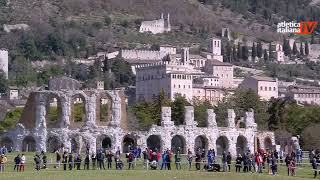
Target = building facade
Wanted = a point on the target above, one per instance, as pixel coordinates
(224, 71)
(304, 94)
(156, 26)
(265, 87)
(4, 60)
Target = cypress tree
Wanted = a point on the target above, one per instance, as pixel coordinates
(294, 49)
(301, 49)
(226, 33)
(234, 53)
(254, 51)
(312, 39)
(239, 52)
(259, 50)
(306, 48)
(245, 52)
(265, 56)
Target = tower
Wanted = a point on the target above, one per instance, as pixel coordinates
(185, 55)
(215, 46)
(4, 61)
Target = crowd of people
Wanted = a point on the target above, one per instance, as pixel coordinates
(153, 159)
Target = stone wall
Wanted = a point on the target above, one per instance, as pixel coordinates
(92, 134)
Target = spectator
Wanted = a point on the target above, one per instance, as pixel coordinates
(17, 161)
(86, 162)
(3, 161)
(274, 166)
(70, 161)
(22, 162)
(189, 158)
(258, 160)
(229, 159)
(238, 163)
(65, 160)
(168, 159)
(94, 160)
(37, 161)
(177, 159)
(109, 159)
(314, 166)
(131, 160)
(288, 160)
(164, 158)
(145, 157)
(58, 159)
(100, 159)
(78, 161)
(44, 160)
(292, 167)
(139, 152)
(198, 159)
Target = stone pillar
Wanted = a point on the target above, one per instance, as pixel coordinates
(249, 120)
(231, 118)
(233, 145)
(90, 111)
(165, 142)
(251, 142)
(116, 110)
(189, 117)
(65, 112)
(40, 130)
(166, 117)
(212, 123)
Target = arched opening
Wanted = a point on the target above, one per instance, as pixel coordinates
(222, 144)
(104, 109)
(128, 143)
(29, 144)
(7, 142)
(53, 144)
(201, 142)
(74, 146)
(154, 143)
(53, 111)
(104, 142)
(78, 108)
(267, 144)
(242, 145)
(178, 143)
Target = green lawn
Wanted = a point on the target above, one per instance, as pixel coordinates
(303, 172)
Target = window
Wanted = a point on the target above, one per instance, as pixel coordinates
(266, 88)
(184, 86)
(274, 88)
(269, 88)
(189, 86)
(174, 86)
(179, 85)
(261, 88)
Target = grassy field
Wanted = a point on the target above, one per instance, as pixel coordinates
(303, 172)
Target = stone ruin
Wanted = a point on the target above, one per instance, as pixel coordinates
(35, 132)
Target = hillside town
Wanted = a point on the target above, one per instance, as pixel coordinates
(228, 94)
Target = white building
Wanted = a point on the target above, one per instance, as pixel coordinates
(156, 26)
(265, 87)
(277, 52)
(4, 58)
(214, 48)
(304, 94)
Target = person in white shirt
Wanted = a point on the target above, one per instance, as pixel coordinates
(22, 163)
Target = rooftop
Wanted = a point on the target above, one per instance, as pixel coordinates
(264, 78)
(215, 62)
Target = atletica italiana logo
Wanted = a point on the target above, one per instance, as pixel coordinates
(303, 27)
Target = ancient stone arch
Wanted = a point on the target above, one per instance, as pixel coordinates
(178, 142)
(104, 142)
(75, 145)
(103, 108)
(129, 142)
(242, 145)
(201, 142)
(7, 142)
(267, 143)
(29, 144)
(53, 110)
(78, 110)
(53, 143)
(222, 144)
(154, 143)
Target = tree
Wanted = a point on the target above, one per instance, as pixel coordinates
(265, 56)
(107, 20)
(301, 49)
(294, 49)
(28, 47)
(200, 111)
(306, 48)
(312, 39)
(259, 50)
(239, 52)
(245, 53)
(287, 48)
(234, 53)
(3, 83)
(226, 33)
(228, 55)
(178, 109)
(155, 47)
(254, 51)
